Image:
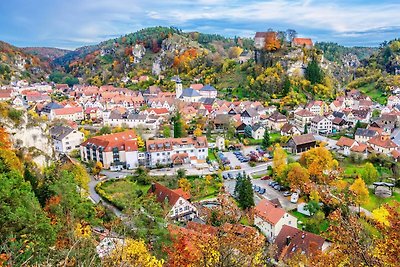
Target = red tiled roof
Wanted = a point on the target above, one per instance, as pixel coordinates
(360, 148)
(123, 141)
(65, 111)
(163, 193)
(158, 111)
(298, 240)
(185, 195)
(269, 212)
(302, 41)
(304, 113)
(382, 141)
(196, 86)
(345, 141)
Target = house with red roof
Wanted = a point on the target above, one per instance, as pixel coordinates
(117, 149)
(270, 218)
(382, 143)
(318, 107)
(302, 42)
(67, 113)
(346, 144)
(291, 241)
(177, 200)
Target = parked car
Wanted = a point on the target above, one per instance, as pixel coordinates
(287, 194)
(272, 183)
(262, 191)
(284, 188)
(266, 177)
(294, 198)
(277, 187)
(257, 188)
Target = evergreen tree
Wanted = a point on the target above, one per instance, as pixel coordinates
(314, 73)
(266, 139)
(244, 191)
(305, 129)
(358, 125)
(178, 125)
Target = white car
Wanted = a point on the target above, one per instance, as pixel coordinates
(294, 197)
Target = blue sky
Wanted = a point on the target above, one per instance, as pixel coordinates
(73, 23)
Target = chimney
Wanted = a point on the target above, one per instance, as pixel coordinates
(288, 240)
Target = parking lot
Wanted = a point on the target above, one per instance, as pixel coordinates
(234, 160)
(269, 194)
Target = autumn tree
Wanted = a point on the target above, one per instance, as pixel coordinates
(184, 184)
(297, 176)
(279, 160)
(234, 52)
(166, 131)
(198, 132)
(369, 173)
(80, 174)
(319, 162)
(359, 192)
(140, 142)
(4, 139)
(97, 168)
(131, 253)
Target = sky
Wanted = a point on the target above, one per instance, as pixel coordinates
(73, 23)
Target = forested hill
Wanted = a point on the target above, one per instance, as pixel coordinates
(335, 52)
(15, 62)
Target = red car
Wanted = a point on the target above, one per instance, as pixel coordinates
(266, 177)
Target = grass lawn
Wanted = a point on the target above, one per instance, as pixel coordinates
(211, 155)
(374, 93)
(304, 219)
(121, 192)
(375, 201)
(275, 137)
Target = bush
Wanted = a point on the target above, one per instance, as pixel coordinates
(15, 115)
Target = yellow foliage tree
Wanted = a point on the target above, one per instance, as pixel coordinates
(184, 184)
(279, 160)
(97, 168)
(198, 132)
(320, 162)
(381, 216)
(86, 133)
(132, 253)
(234, 52)
(80, 174)
(360, 191)
(140, 142)
(208, 179)
(297, 176)
(82, 230)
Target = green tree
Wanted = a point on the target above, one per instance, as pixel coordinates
(266, 139)
(178, 125)
(167, 131)
(105, 130)
(244, 191)
(181, 173)
(305, 129)
(314, 73)
(141, 176)
(358, 125)
(369, 174)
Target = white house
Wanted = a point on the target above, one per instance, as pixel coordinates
(363, 135)
(317, 107)
(190, 95)
(303, 117)
(258, 131)
(65, 139)
(178, 200)
(321, 125)
(177, 151)
(346, 144)
(276, 121)
(67, 113)
(270, 219)
(208, 91)
(118, 149)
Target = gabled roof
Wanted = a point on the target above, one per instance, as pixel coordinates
(208, 88)
(66, 111)
(345, 141)
(276, 116)
(269, 211)
(365, 132)
(303, 139)
(304, 113)
(60, 132)
(318, 119)
(302, 41)
(163, 194)
(382, 141)
(291, 240)
(123, 141)
(287, 127)
(189, 92)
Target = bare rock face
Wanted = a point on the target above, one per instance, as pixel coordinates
(138, 52)
(31, 138)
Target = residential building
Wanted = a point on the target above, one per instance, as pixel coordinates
(65, 139)
(289, 130)
(256, 131)
(276, 121)
(302, 42)
(346, 144)
(301, 143)
(318, 107)
(382, 143)
(208, 91)
(321, 125)
(249, 116)
(270, 219)
(363, 135)
(193, 150)
(177, 200)
(291, 241)
(303, 117)
(113, 150)
(67, 113)
(190, 95)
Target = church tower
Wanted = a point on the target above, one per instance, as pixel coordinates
(178, 87)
